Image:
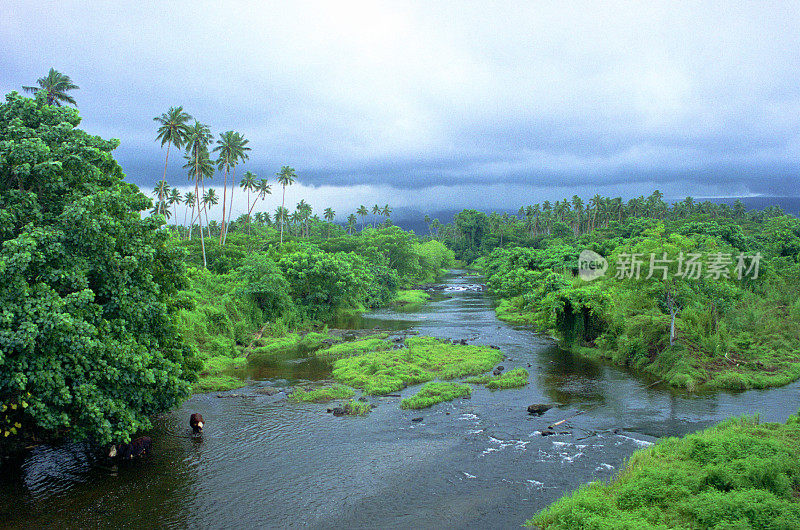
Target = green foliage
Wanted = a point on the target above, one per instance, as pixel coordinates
(217, 318)
(322, 395)
(86, 325)
(729, 333)
(357, 408)
(353, 348)
(433, 393)
(411, 298)
(738, 474)
(425, 358)
(321, 283)
(512, 379)
(291, 345)
(478, 379)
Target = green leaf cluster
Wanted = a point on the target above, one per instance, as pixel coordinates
(86, 319)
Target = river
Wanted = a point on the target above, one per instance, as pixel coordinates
(478, 463)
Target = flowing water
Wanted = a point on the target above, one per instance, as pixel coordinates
(266, 463)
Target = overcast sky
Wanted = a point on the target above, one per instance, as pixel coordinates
(450, 104)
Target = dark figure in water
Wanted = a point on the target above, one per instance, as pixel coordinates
(196, 422)
(139, 447)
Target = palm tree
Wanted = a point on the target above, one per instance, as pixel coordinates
(281, 216)
(329, 216)
(303, 215)
(286, 177)
(232, 148)
(161, 190)
(247, 184)
(351, 223)
(263, 189)
(241, 144)
(174, 199)
(363, 212)
(172, 131)
(188, 199)
(376, 210)
(56, 85)
(209, 199)
(386, 212)
(157, 210)
(198, 136)
(577, 206)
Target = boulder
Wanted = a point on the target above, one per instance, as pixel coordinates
(538, 408)
(338, 411)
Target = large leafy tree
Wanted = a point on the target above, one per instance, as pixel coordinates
(87, 339)
(55, 85)
(173, 130)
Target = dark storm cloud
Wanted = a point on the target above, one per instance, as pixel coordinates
(698, 99)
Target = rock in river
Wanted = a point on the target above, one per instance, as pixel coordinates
(538, 408)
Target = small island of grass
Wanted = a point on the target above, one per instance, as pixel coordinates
(433, 393)
(424, 359)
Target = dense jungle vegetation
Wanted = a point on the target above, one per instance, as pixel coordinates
(108, 316)
(700, 295)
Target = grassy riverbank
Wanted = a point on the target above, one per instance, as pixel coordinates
(733, 324)
(738, 474)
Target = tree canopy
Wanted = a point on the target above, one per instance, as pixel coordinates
(87, 339)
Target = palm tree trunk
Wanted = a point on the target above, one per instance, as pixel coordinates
(185, 214)
(230, 209)
(197, 199)
(165, 163)
(283, 201)
(224, 195)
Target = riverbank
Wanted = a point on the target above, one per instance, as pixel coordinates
(739, 474)
(765, 362)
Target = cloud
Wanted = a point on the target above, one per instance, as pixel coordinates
(424, 98)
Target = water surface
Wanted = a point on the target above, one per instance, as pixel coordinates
(481, 462)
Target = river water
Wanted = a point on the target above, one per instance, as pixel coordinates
(478, 463)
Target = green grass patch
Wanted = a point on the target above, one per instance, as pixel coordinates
(512, 379)
(357, 408)
(322, 395)
(353, 348)
(218, 374)
(738, 474)
(424, 359)
(511, 310)
(217, 383)
(433, 393)
(479, 379)
(291, 345)
(411, 297)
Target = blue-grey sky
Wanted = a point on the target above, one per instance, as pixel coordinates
(440, 103)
